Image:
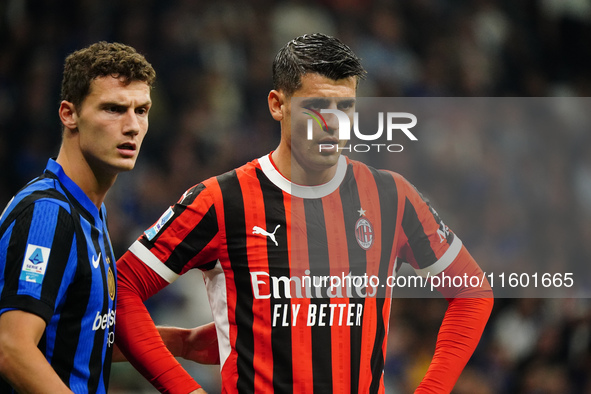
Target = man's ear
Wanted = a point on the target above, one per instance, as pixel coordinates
(277, 102)
(68, 115)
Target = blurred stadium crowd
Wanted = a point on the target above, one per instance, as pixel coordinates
(515, 196)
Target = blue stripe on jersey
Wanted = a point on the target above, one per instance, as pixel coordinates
(51, 329)
(3, 246)
(39, 244)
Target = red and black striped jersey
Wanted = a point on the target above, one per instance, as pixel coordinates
(295, 274)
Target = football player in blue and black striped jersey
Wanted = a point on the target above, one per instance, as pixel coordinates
(57, 268)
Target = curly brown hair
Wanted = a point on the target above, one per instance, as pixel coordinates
(100, 60)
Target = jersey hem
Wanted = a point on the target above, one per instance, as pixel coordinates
(26, 303)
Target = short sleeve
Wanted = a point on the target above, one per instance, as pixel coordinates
(427, 243)
(37, 247)
(183, 237)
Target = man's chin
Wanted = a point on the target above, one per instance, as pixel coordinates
(124, 165)
(327, 159)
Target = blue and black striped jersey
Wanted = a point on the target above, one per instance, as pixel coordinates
(56, 261)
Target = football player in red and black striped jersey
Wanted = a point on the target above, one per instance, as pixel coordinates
(295, 248)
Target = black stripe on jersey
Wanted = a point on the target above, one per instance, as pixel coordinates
(190, 195)
(319, 267)
(194, 242)
(16, 246)
(111, 264)
(449, 236)
(58, 259)
(417, 239)
(357, 265)
(236, 231)
(278, 266)
(95, 362)
(388, 195)
(69, 327)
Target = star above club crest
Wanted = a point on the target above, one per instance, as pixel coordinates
(361, 212)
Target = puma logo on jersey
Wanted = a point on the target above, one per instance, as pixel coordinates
(261, 231)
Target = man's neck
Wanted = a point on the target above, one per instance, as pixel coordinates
(81, 173)
(295, 173)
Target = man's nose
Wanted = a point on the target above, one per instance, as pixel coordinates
(332, 122)
(131, 124)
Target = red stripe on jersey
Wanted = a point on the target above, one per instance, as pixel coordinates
(299, 265)
(338, 257)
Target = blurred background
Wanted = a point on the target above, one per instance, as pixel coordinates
(512, 195)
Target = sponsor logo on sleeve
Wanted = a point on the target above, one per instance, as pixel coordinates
(152, 231)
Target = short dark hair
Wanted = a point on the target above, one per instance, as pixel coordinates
(314, 53)
(100, 60)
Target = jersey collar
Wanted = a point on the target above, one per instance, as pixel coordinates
(55, 168)
(299, 190)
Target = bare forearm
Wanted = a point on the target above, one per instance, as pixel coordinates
(21, 362)
(27, 370)
(197, 344)
(174, 339)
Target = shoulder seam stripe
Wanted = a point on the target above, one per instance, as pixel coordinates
(445, 260)
(148, 258)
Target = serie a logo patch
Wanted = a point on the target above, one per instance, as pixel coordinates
(34, 263)
(152, 231)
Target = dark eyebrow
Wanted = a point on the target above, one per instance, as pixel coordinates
(108, 104)
(111, 104)
(315, 102)
(349, 101)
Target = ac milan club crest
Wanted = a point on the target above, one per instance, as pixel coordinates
(364, 233)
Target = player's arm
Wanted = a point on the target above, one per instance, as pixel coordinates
(137, 336)
(21, 362)
(464, 321)
(197, 344)
(185, 236)
(432, 248)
